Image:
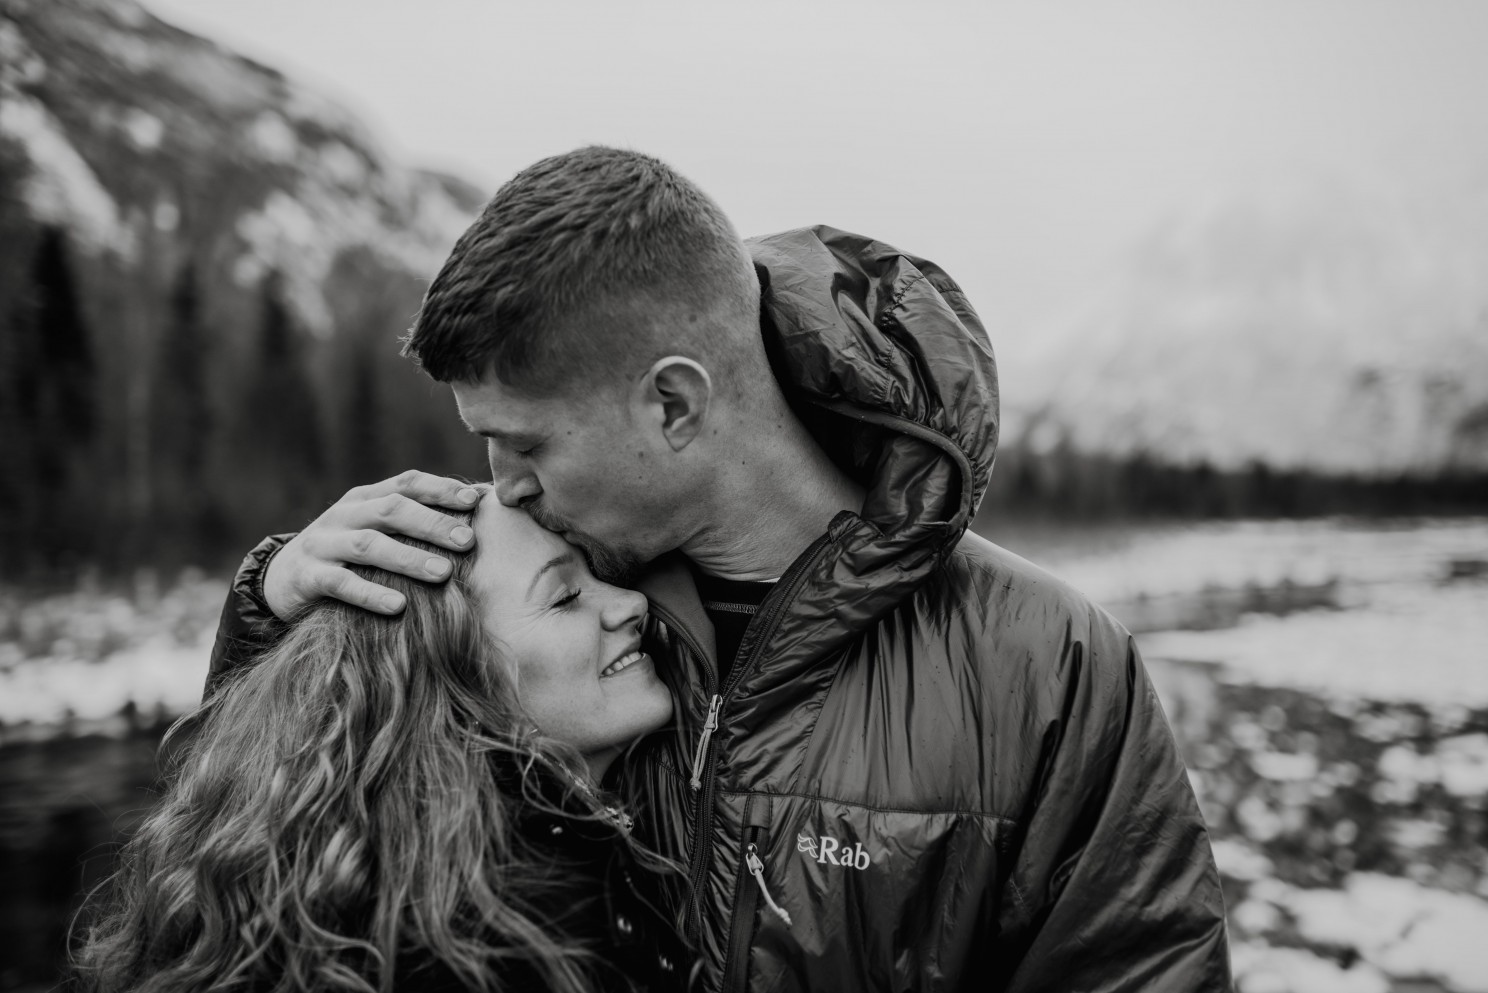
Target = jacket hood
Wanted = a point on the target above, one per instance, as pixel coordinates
(887, 343)
(884, 359)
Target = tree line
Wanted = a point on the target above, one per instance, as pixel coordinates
(145, 434)
(1071, 485)
(185, 445)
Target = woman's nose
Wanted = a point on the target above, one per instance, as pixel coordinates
(625, 607)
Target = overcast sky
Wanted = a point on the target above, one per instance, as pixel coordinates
(1023, 146)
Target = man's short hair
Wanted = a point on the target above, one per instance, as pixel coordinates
(543, 288)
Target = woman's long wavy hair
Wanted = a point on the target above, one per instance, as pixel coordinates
(348, 802)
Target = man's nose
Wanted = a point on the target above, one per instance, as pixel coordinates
(514, 482)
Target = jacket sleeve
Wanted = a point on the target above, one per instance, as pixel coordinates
(247, 625)
(1114, 886)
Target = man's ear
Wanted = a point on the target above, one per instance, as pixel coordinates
(678, 390)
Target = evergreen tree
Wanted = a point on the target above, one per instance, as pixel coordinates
(49, 415)
(17, 416)
(181, 420)
(16, 344)
(281, 416)
(64, 398)
(362, 432)
(16, 230)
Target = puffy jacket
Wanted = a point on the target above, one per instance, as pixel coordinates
(947, 768)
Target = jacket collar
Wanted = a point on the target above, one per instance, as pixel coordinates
(885, 360)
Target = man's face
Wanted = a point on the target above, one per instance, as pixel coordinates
(579, 465)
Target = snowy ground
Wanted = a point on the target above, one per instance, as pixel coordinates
(1114, 566)
(1327, 680)
(1339, 607)
(81, 660)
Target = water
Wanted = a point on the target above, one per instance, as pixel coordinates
(65, 805)
(1328, 682)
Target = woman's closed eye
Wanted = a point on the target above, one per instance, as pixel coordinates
(568, 597)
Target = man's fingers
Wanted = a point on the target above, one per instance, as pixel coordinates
(423, 487)
(373, 548)
(394, 513)
(347, 586)
(355, 530)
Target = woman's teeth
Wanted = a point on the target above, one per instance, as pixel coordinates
(624, 662)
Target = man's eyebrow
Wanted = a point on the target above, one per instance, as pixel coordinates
(557, 560)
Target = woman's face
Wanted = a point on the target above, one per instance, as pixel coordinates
(575, 642)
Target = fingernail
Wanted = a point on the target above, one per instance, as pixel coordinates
(467, 495)
(393, 602)
(437, 566)
(461, 535)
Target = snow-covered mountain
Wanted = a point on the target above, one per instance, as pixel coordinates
(1333, 330)
(224, 261)
(141, 137)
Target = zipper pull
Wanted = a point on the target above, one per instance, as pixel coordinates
(709, 726)
(757, 870)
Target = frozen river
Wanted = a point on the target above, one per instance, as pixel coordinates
(1392, 612)
(1328, 681)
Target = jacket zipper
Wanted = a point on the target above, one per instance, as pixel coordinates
(757, 870)
(709, 726)
(741, 928)
(702, 846)
(691, 919)
(747, 896)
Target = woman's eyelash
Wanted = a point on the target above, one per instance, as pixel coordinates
(568, 598)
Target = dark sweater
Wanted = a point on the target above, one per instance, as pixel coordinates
(731, 605)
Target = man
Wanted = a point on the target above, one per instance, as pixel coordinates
(909, 759)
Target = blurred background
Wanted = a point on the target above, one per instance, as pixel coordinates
(1233, 259)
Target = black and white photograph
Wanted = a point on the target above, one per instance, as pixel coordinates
(725, 498)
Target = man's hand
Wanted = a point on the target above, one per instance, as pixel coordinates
(355, 529)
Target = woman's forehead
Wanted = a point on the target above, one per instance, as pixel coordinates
(520, 543)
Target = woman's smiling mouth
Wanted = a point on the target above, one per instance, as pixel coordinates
(622, 663)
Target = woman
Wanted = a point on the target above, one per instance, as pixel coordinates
(410, 803)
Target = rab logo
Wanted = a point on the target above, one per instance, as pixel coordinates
(831, 850)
